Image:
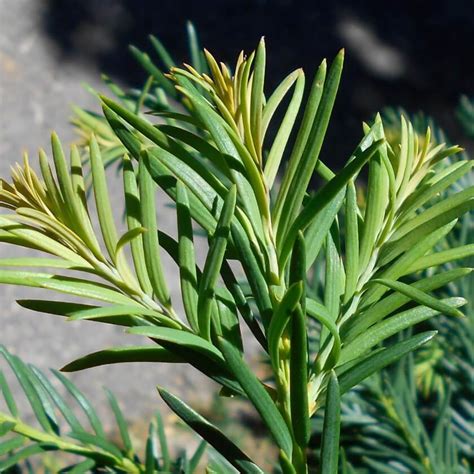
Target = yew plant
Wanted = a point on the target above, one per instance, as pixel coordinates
(268, 232)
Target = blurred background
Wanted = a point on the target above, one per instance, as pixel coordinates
(416, 54)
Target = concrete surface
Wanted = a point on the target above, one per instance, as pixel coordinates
(37, 87)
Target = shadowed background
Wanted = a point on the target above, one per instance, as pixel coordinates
(417, 54)
(412, 53)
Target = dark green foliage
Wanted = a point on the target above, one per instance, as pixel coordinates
(58, 431)
(417, 415)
